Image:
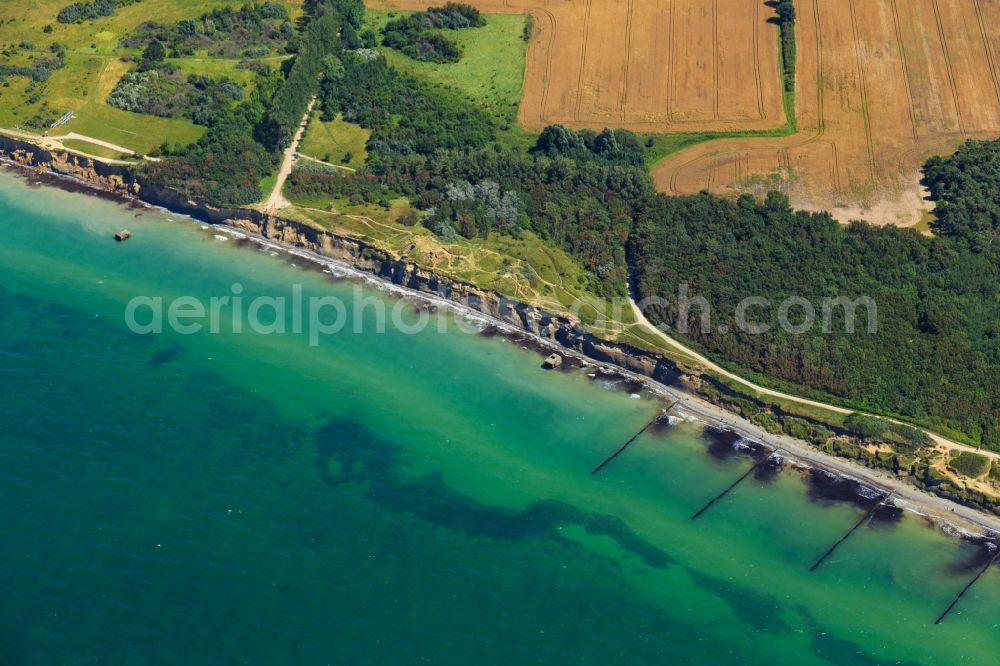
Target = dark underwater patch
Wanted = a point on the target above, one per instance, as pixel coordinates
(825, 487)
(757, 609)
(838, 650)
(348, 452)
(164, 356)
(982, 551)
(886, 515)
(721, 443)
(768, 469)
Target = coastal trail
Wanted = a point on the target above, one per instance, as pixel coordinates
(706, 364)
(276, 200)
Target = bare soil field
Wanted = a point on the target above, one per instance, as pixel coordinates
(646, 65)
(882, 85)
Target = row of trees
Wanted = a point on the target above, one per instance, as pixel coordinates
(785, 11)
(320, 44)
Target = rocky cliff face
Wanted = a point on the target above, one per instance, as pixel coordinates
(109, 178)
(556, 328)
(549, 326)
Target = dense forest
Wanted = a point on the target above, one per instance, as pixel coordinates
(966, 188)
(935, 355)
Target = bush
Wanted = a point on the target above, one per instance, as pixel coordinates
(88, 11)
(972, 465)
(162, 92)
(223, 32)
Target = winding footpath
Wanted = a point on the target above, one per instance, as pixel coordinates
(715, 368)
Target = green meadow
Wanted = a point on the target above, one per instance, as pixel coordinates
(333, 141)
(93, 67)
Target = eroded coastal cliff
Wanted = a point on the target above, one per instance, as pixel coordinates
(122, 181)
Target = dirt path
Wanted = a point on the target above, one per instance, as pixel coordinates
(329, 164)
(938, 440)
(56, 143)
(90, 139)
(276, 200)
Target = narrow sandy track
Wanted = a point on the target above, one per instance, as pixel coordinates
(90, 139)
(56, 143)
(715, 368)
(276, 200)
(329, 164)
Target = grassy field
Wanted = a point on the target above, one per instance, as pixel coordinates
(333, 141)
(93, 69)
(490, 73)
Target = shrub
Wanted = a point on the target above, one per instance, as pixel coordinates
(88, 11)
(972, 465)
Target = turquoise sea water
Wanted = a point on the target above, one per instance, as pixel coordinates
(389, 498)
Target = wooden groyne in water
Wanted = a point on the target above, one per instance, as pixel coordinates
(996, 554)
(851, 531)
(634, 437)
(697, 514)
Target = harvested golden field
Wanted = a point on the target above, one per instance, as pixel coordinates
(882, 85)
(646, 65)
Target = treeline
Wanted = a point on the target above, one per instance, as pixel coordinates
(320, 44)
(785, 11)
(934, 356)
(609, 146)
(253, 30)
(966, 189)
(417, 37)
(88, 11)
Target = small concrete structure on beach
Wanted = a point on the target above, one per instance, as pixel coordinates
(553, 361)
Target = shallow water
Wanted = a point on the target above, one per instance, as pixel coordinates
(389, 498)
